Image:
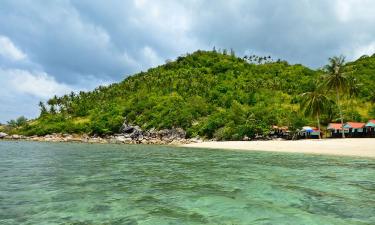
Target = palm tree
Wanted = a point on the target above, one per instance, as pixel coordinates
(353, 90)
(314, 104)
(337, 81)
(43, 109)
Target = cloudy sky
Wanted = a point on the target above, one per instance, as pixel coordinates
(54, 47)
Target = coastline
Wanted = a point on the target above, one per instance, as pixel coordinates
(112, 139)
(358, 147)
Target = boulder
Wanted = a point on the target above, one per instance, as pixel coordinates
(16, 136)
(172, 134)
(130, 131)
(3, 135)
(195, 140)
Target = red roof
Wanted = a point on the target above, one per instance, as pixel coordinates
(355, 125)
(371, 121)
(334, 126)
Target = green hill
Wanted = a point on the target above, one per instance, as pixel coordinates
(206, 93)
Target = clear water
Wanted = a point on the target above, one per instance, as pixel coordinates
(46, 183)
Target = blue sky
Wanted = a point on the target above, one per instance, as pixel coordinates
(54, 47)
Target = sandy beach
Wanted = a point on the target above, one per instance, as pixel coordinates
(361, 147)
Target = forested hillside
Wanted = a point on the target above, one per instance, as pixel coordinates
(210, 94)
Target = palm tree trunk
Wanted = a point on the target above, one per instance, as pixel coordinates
(341, 117)
(317, 117)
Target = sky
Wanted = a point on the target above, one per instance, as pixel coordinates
(54, 47)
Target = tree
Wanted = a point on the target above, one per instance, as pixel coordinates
(353, 91)
(21, 121)
(372, 96)
(12, 123)
(52, 109)
(314, 104)
(232, 53)
(43, 109)
(337, 81)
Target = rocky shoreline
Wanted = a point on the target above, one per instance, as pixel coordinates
(128, 135)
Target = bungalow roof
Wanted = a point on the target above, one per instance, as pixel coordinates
(370, 123)
(334, 126)
(354, 125)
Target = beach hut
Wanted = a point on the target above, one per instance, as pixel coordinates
(336, 130)
(355, 129)
(370, 128)
(309, 132)
(280, 132)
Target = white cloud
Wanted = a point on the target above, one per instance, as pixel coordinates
(21, 90)
(38, 84)
(9, 50)
(152, 58)
(350, 10)
(367, 49)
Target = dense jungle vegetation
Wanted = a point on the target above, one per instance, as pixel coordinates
(213, 94)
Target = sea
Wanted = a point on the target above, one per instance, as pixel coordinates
(68, 183)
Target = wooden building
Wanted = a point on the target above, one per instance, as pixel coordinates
(355, 129)
(335, 130)
(351, 129)
(308, 132)
(370, 128)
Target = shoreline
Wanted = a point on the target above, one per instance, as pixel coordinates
(113, 139)
(355, 147)
(358, 147)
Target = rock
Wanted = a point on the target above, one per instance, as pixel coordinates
(246, 138)
(36, 138)
(127, 130)
(175, 142)
(3, 135)
(120, 140)
(68, 137)
(172, 134)
(196, 140)
(16, 136)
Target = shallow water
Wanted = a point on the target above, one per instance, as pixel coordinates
(47, 183)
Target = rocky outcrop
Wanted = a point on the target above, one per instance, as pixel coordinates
(134, 134)
(129, 135)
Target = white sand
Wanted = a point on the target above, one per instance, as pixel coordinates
(361, 147)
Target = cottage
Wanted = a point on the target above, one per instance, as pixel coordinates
(355, 129)
(280, 132)
(336, 130)
(351, 129)
(370, 128)
(310, 132)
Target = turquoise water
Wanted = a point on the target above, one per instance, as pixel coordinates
(46, 183)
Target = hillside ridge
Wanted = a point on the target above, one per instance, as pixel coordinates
(208, 94)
